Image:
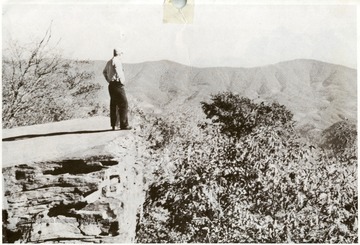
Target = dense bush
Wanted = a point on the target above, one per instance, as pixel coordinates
(245, 180)
(340, 141)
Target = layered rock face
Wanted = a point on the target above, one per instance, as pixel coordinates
(93, 199)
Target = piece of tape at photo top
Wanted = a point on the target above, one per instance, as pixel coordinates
(178, 11)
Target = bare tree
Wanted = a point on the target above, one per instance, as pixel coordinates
(38, 83)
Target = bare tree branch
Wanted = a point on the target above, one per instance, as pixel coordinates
(36, 80)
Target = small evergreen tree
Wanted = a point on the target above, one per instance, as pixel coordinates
(238, 116)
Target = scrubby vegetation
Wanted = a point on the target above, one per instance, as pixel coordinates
(40, 86)
(244, 175)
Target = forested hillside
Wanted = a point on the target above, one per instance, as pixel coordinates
(317, 93)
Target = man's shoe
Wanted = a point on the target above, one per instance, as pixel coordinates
(126, 128)
(113, 127)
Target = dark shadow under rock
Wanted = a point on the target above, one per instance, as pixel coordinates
(65, 209)
(78, 166)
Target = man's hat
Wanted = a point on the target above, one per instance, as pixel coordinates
(117, 50)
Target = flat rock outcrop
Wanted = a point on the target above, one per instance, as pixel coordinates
(80, 194)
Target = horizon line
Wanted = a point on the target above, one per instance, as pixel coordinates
(205, 67)
(226, 66)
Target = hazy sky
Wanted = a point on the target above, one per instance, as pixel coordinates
(232, 34)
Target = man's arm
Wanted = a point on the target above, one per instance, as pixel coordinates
(119, 69)
(105, 73)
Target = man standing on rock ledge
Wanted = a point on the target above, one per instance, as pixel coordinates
(114, 75)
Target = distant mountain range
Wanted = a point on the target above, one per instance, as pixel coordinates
(319, 94)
